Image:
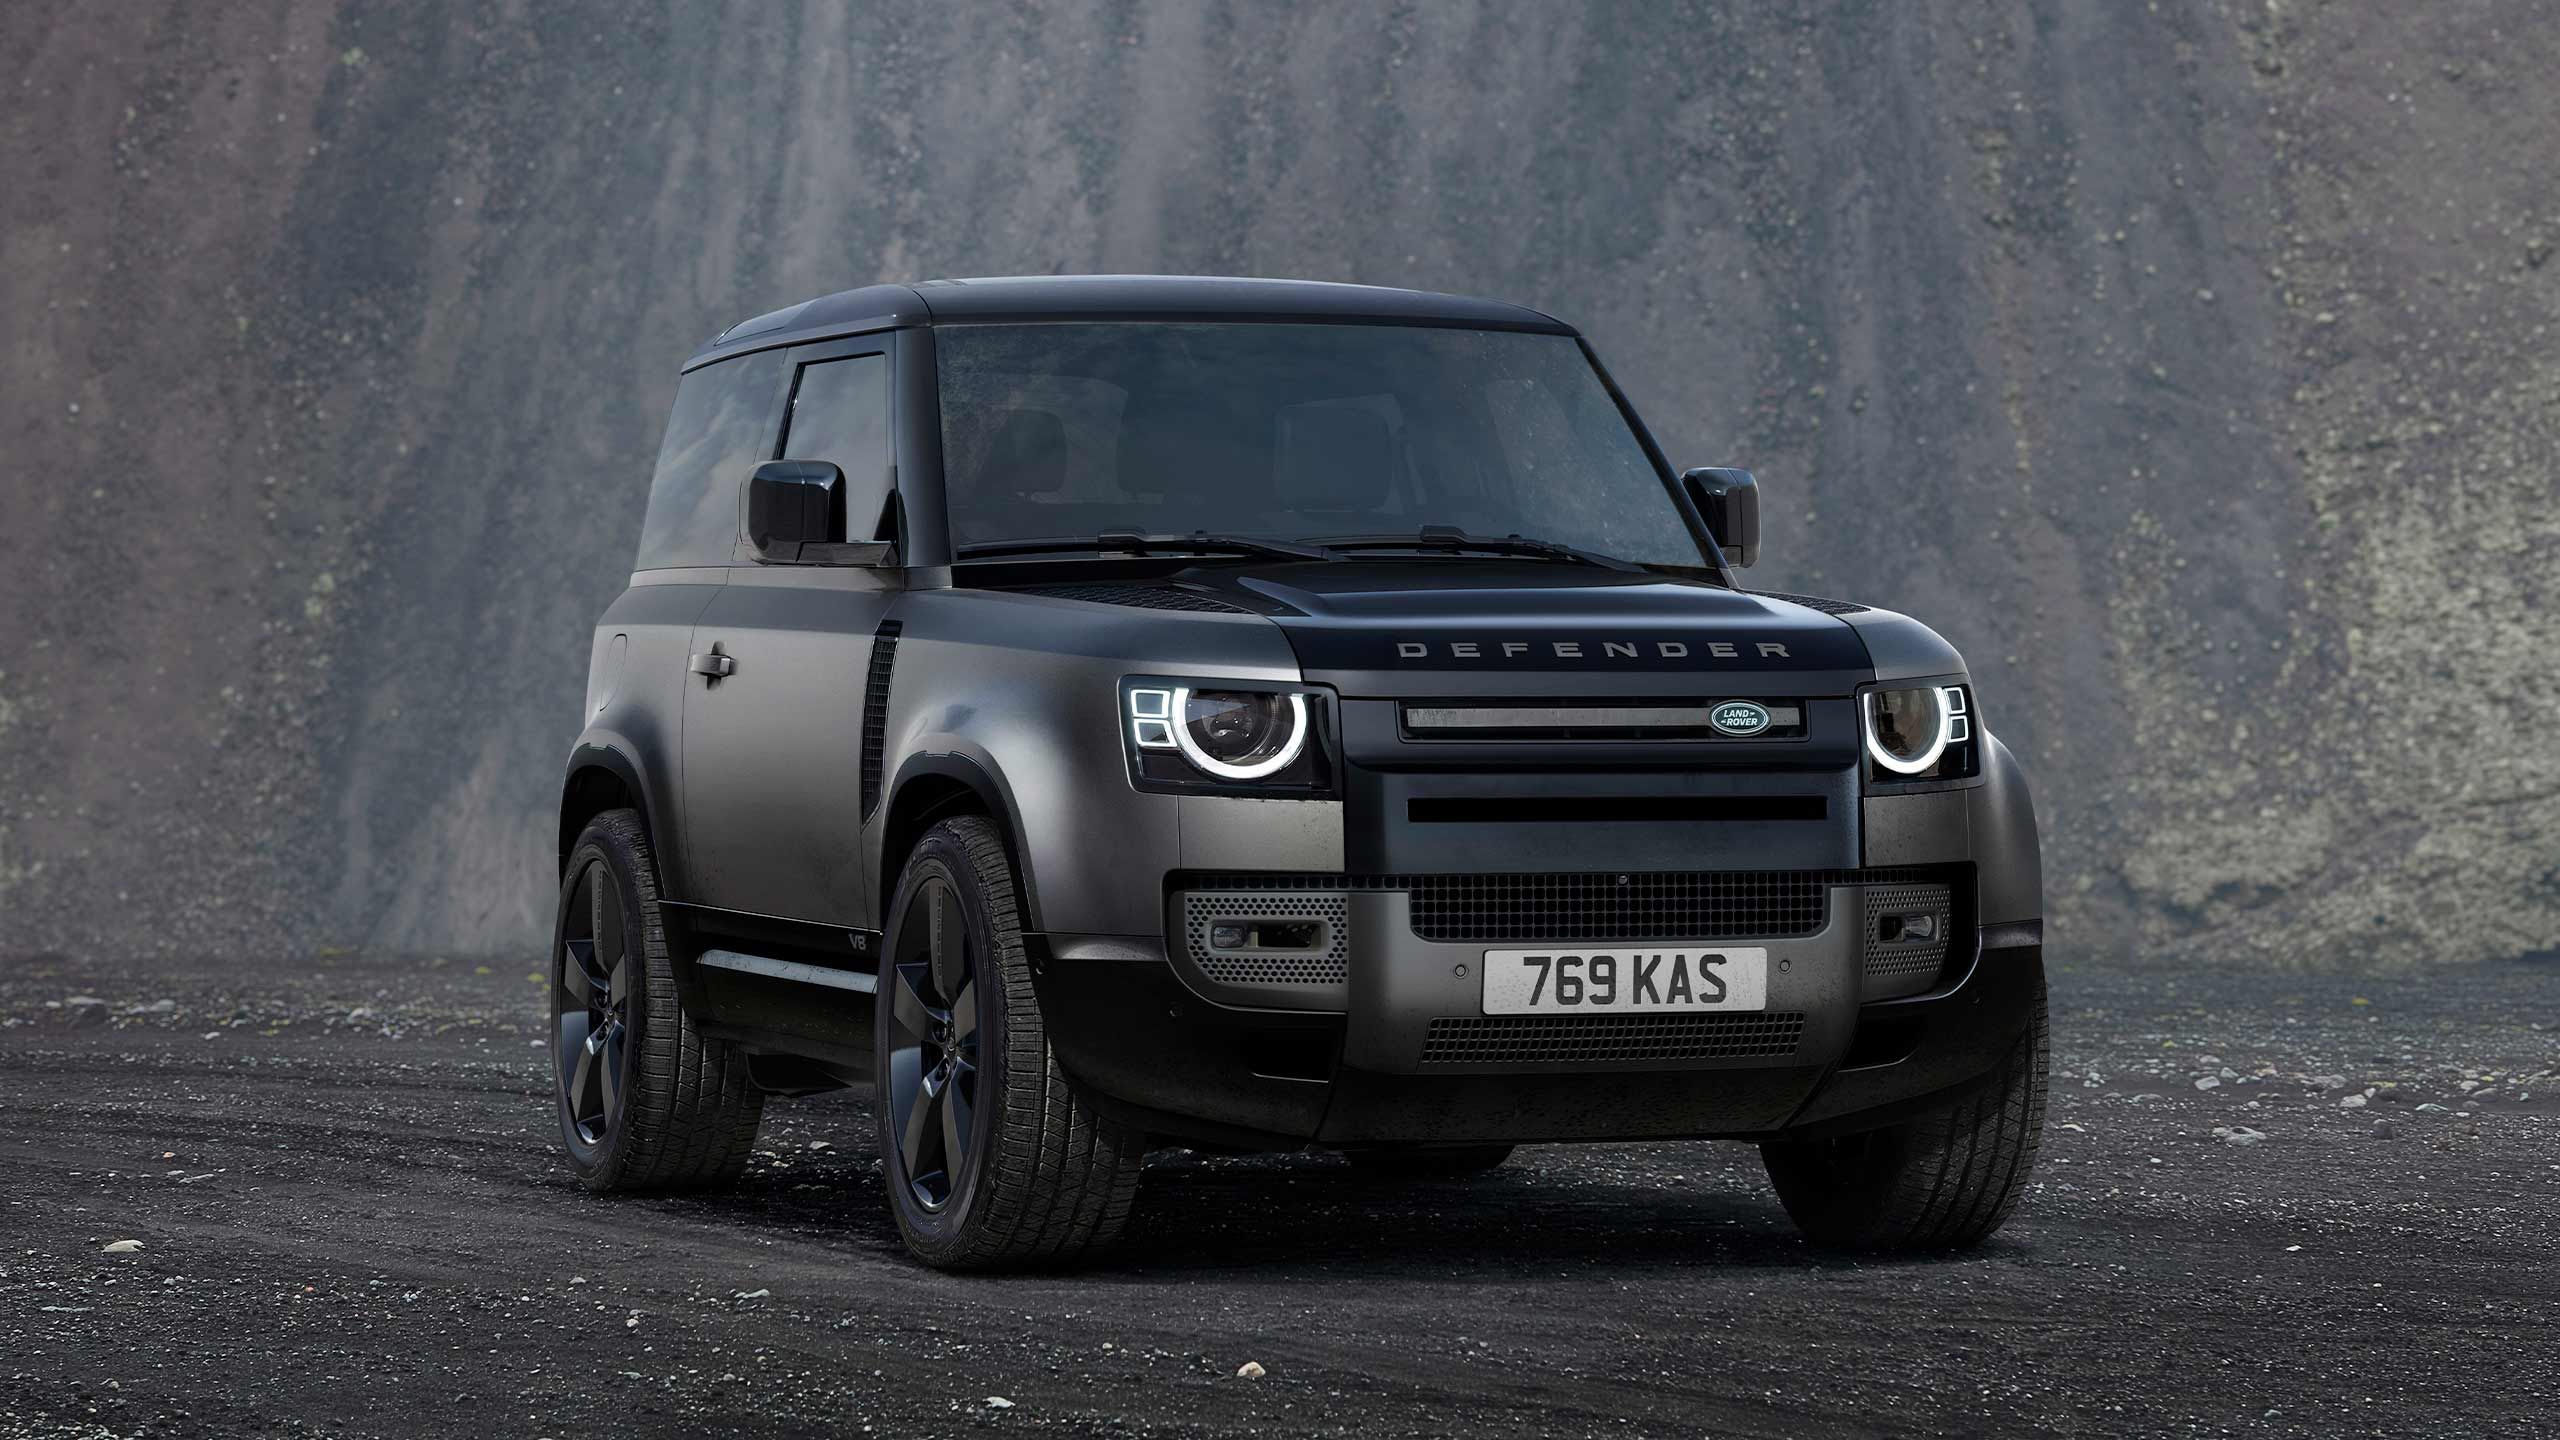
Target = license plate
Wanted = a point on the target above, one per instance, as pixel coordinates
(1585, 980)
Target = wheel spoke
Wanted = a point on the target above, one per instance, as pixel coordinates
(964, 1016)
(574, 1027)
(955, 1124)
(913, 1019)
(617, 990)
(582, 979)
(921, 1127)
(586, 1102)
(609, 1074)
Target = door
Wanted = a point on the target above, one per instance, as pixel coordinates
(773, 743)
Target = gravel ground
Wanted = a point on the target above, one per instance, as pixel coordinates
(2267, 1205)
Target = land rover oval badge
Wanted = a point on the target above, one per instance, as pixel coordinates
(1739, 718)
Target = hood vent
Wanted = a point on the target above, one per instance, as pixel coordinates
(1815, 602)
(1140, 597)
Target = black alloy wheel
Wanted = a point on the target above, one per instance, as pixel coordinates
(591, 1006)
(932, 1071)
(991, 1158)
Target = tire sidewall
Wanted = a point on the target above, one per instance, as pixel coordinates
(933, 1234)
(600, 1165)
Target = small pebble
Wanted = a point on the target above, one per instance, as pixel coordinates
(1250, 1370)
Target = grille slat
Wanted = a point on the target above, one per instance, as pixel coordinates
(1598, 1039)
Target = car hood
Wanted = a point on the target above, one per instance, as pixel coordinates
(1504, 627)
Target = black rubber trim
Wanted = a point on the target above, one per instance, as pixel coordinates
(2012, 934)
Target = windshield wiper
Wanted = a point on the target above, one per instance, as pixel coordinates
(1452, 540)
(1132, 542)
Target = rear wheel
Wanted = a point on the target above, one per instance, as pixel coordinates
(1427, 1162)
(992, 1160)
(646, 1102)
(1942, 1180)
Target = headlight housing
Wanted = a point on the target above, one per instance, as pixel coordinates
(1918, 733)
(1226, 736)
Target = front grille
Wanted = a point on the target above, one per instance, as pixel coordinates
(1702, 905)
(1143, 597)
(1597, 1039)
(1326, 967)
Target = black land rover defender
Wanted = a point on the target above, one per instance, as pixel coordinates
(1107, 712)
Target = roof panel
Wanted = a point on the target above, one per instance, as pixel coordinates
(1037, 298)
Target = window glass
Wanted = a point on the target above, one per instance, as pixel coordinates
(720, 430)
(840, 413)
(1291, 432)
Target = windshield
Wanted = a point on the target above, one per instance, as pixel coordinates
(1291, 432)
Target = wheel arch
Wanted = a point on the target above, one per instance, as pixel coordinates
(932, 788)
(603, 777)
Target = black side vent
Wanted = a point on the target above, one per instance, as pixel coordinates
(1816, 602)
(1142, 597)
(875, 712)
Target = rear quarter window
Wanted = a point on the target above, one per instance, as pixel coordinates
(721, 428)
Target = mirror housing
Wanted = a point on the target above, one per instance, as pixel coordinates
(795, 516)
(1729, 500)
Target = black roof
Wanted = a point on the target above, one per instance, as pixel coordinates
(1022, 298)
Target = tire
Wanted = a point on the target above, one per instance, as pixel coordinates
(1427, 1162)
(653, 1105)
(1942, 1180)
(991, 1159)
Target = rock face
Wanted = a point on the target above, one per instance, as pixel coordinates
(2189, 365)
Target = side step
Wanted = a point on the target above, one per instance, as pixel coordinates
(861, 982)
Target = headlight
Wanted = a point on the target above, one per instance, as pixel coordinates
(1240, 734)
(1910, 731)
(1223, 736)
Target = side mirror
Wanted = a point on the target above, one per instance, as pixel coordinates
(1730, 501)
(795, 516)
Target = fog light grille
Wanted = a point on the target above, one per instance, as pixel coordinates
(1329, 964)
(1899, 960)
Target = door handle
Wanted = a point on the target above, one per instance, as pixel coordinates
(714, 665)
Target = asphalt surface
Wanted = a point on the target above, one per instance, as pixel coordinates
(352, 1219)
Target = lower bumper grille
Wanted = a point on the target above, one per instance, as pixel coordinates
(1601, 905)
(1582, 1040)
(1682, 906)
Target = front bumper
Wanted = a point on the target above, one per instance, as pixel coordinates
(1382, 1039)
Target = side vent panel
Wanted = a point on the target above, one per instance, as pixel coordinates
(875, 712)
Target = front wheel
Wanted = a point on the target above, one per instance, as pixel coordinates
(991, 1158)
(1942, 1180)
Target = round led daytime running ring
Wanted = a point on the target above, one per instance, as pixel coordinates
(1212, 765)
(1885, 758)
